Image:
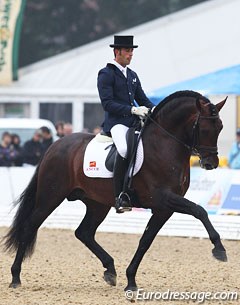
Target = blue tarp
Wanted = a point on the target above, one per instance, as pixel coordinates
(225, 81)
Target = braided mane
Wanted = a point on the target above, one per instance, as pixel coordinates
(166, 102)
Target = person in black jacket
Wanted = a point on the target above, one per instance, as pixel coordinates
(119, 87)
(16, 145)
(32, 149)
(8, 154)
(47, 139)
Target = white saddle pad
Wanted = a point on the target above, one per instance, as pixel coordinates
(96, 154)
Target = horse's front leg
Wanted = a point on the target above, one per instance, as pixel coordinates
(155, 223)
(181, 205)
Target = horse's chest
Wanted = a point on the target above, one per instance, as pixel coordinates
(181, 179)
(184, 181)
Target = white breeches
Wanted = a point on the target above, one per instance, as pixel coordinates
(119, 132)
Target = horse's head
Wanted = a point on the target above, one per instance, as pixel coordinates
(206, 131)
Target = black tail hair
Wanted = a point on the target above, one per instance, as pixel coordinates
(26, 201)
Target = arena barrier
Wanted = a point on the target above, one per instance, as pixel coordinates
(218, 191)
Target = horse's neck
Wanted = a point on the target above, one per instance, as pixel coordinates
(178, 118)
(178, 123)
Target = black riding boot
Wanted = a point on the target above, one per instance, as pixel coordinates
(123, 203)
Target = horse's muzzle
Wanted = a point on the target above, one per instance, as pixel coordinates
(210, 162)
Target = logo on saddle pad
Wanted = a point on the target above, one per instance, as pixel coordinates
(92, 166)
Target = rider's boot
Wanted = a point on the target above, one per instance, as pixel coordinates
(122, 200)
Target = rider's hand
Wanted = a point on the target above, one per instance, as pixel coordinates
(141, 111)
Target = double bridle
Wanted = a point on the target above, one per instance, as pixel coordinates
(194, 148)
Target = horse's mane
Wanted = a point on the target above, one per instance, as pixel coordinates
(166, 102)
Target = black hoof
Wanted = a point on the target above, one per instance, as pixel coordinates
(131, 288)
(15, 285)
(220, 255)
(110, 278)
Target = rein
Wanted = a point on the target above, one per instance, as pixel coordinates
(194, 148)
(168, 133)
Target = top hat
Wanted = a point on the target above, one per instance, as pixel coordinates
(123, 42)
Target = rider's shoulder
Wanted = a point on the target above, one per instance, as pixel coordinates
(109, 69)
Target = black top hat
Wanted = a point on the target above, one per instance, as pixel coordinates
(123, 42)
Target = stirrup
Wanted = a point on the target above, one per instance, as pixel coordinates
(123, 205)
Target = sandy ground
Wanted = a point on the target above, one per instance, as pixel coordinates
(62, 271)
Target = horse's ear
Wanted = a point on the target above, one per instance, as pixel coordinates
(221, 104)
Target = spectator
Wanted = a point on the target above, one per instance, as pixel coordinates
(67, 129)
(7, 154)
(47, 139)
(32, 149)
(234, 155)
(59, 127)
(97, 130)
(16, 144)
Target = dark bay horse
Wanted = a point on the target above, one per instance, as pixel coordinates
(184, 122)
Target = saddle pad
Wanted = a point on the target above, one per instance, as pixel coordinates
(96, 154)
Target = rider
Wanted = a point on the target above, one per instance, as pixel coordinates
(119, 87)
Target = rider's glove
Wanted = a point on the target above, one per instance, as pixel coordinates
(141, 111)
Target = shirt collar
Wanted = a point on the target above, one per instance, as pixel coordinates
(121, 68)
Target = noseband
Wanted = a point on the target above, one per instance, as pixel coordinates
(195, 147)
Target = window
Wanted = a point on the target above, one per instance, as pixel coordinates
(93, 116)
(56, 112)
(14, 110)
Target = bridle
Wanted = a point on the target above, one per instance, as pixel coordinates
(195, 148)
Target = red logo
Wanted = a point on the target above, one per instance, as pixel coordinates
(92, 164)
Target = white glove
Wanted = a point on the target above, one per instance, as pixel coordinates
(141, 111)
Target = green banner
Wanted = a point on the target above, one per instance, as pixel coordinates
(11, 14)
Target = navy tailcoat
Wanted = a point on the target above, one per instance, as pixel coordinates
(117, 94)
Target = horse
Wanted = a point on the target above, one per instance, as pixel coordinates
(183, 123)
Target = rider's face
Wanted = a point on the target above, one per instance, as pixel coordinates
(124, 56)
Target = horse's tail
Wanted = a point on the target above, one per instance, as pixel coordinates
(26, 202)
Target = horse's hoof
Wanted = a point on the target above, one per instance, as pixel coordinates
(110, 278)
(220, 255)
(15, 285)
(131, 288)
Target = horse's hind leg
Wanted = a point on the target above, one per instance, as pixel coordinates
(95, 215)
(181, 205)
(23, 233)
(27, 242)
